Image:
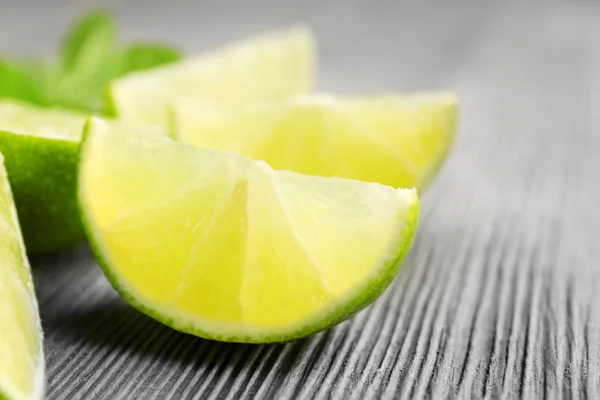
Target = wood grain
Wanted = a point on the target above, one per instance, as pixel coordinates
(499, 297)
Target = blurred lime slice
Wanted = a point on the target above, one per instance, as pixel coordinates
(270, 66)
(395, 140)
(21, 352)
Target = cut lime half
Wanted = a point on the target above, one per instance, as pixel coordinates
(220, 246)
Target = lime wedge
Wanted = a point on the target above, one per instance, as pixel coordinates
(21, 351)
(269, 66)
(399, 141)
(217, 245)
(41, 150)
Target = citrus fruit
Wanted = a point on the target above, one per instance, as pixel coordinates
(40, 147)
(395, 140)
(223, 247)
(269, 66)
(21, 351)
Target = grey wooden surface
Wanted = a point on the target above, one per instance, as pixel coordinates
(500, 296)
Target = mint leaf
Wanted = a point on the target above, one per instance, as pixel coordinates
(89, 60)
(140, 56)
(83, 88)
(22, 81)
(88, 41)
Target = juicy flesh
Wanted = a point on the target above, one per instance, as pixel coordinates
(19, 330)
(232, 241)
(267, 67)
(395, 141)
(17, 117)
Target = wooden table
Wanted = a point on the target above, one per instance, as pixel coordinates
(500, 297)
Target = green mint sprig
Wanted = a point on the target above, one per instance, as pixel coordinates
(90, 57)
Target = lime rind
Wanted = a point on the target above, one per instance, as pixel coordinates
(45, 197)
(40, 148)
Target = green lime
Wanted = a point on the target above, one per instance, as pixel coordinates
(40, 147)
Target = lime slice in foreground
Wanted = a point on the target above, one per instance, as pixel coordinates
(269, 66)
(41, 150)
(226, 248)
(399, 141)
(21, 351)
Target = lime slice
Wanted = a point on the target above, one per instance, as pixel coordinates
(399, 141)
(223, 247)
(21, 351)
(270, 66)
(41, 151)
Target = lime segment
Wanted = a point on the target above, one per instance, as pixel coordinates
(394, 140)
(224, 247)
